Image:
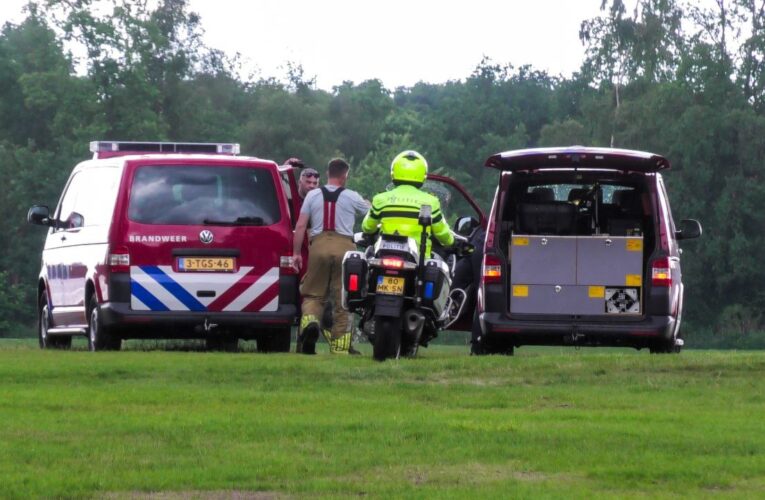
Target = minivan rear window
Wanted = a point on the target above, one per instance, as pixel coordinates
(199, 195)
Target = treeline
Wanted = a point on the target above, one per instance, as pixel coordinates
(667, 76)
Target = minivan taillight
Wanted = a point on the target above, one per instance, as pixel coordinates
(119, 260)
(661, 273)
(491, 270)
(287, 264)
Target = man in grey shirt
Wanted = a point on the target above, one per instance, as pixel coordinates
(330, 213)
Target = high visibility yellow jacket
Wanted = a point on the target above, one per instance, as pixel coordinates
(396, 212)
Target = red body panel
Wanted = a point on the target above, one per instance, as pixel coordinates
(76, 261)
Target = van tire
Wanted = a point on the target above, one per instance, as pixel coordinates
(275, 340)
(387, 338)
(222, 344)
(481, 346)
(666, 347)
(100, 337)
(43, 324)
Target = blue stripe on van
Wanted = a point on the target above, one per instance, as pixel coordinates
(146, 297)
(174, 288)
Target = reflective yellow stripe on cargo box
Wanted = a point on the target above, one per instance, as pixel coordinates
(520, 242)
(597, 292)
(520, 290)
(633, 280)
(634, 245)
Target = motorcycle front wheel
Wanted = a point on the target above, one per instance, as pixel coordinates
(387, 338)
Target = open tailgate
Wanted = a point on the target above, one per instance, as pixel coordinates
(577, 157)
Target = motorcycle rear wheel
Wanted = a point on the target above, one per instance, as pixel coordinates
(387, 338)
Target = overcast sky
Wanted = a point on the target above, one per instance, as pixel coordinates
(400, 42)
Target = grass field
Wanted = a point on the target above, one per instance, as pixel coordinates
(545, 423)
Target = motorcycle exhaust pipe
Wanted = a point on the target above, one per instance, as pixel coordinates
(413, 322)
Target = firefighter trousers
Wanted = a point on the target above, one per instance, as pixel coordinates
(323, 281)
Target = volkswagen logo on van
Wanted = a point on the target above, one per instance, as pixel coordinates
(206, 237)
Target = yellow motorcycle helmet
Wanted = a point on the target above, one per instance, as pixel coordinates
(409, 167)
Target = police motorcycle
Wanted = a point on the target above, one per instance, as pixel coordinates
(402, 298)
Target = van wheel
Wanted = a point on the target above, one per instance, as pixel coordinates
(275, 340)
(46, 341)
(476, 346)
(223, 344)
(387, 338)
(666, 347)
(100, 337)
(482, 347)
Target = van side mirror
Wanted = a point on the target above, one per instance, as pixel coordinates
(689, 229)
(465, 226)
(40, 215)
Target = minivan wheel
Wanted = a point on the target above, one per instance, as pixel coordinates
(482, 347)
(46, 341)
(100, 338)
(665, 347)
(222, 343)
(275, 340)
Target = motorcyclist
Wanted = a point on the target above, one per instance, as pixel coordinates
(396, 211)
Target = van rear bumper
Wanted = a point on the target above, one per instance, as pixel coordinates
(174, 324)
(640, 332)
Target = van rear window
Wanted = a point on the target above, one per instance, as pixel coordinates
(197, 195)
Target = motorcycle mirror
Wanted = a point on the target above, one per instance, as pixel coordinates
(425, 216)
(465, 226)
(363, 240)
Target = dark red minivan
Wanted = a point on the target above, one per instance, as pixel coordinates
(581, 250)
(170, 240)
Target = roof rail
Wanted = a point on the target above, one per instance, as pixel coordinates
(108, 149)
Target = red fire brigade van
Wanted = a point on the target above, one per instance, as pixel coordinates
(170, 240)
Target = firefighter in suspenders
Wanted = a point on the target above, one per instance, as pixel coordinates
(329, 213)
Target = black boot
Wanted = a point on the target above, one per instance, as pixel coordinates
(306, 341)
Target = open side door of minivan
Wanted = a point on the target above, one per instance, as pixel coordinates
(457, 204)
(290, 186)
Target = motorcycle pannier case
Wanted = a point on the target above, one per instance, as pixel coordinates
(354, 280)
(436, 284)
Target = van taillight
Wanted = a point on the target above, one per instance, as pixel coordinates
(491, 270)
(119, 260)
(287, 264)
(661, 273)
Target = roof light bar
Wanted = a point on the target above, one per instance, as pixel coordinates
(225, 148)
